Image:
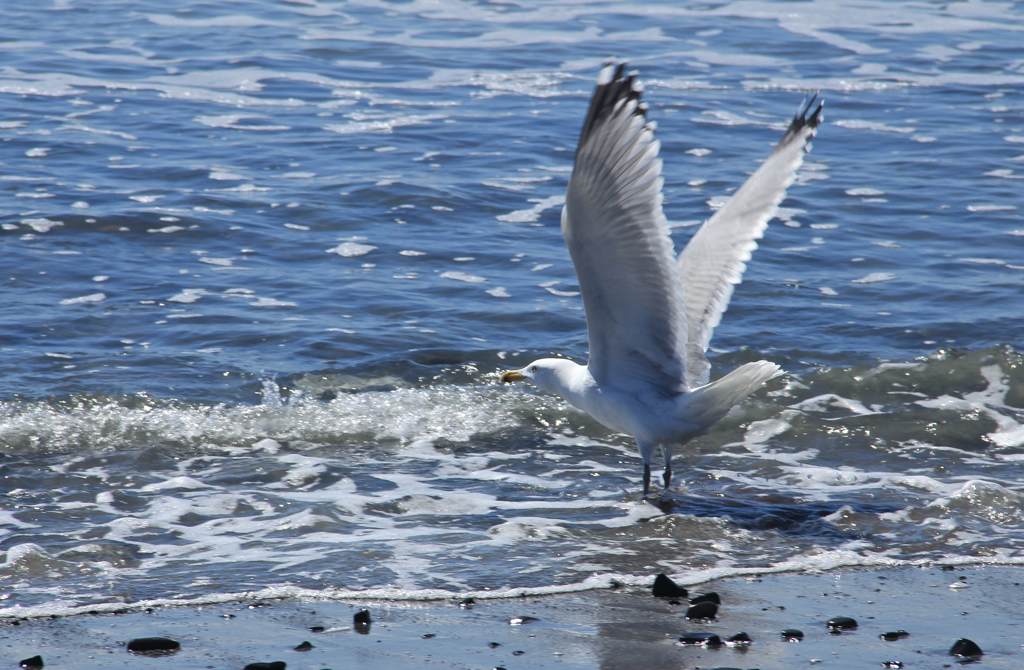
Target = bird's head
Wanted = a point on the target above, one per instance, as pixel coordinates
(546, 373)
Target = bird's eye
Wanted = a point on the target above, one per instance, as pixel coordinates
(533, 369)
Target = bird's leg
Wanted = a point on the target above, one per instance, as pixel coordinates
(666, 451)
(646, 452)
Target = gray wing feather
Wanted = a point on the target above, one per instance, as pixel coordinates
(619, 241)
(714, 260)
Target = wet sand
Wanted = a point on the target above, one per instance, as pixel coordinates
(624, 628)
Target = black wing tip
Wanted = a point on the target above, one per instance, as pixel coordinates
(809, 116)
(614, 85)
(805, 117)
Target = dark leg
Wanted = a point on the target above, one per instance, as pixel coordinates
(667, 476)
(647, 478)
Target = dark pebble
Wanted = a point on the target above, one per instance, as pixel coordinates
(362, 617)
(702, 611)
(305, 646)
(666, 588)
(151, 644)
(739, 638)
(34, 662)
(706, 639)
(428, 636)
(494, 645)
(892, 664)
(706, 598)
(841, 623)
(894, 635)
(965, 647)
(316, 629)
(520, 620)
(273, 665)
(792, 635)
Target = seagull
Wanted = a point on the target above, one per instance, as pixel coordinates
(650, 314)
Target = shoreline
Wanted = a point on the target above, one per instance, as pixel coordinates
(595, 583)
(624, 628)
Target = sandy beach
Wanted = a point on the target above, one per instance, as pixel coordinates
(619, 628)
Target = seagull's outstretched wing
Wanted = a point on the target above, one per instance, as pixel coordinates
(715, 258)
(619, 242)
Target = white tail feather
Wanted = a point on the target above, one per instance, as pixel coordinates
(707, 404)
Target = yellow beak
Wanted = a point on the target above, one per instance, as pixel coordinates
(512, 376)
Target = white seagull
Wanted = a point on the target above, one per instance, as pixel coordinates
(650, 314)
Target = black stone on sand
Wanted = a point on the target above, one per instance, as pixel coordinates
(841, 623)
(152, 645)
(894, 635)
(666, 588)
(792, 635)
(702, 611)
(965, 647)
(707, 639)
(710, 597)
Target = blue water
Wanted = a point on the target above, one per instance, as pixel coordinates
(262, 264)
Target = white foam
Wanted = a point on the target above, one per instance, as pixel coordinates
(533, 214)
(829, 402)
(351, 249)
(232, 121)
(722, 117)
(991, 208)
(272, 302)
(41, 225)
(382, 125)
(222, 262)
(875, 277)
(223, 175)
(462, 276)
(91, 298)
(855, 124)
(175, 483)
(189, 295)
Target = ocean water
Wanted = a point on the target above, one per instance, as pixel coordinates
(261, 264)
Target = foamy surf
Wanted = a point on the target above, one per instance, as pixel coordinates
(452, 491)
